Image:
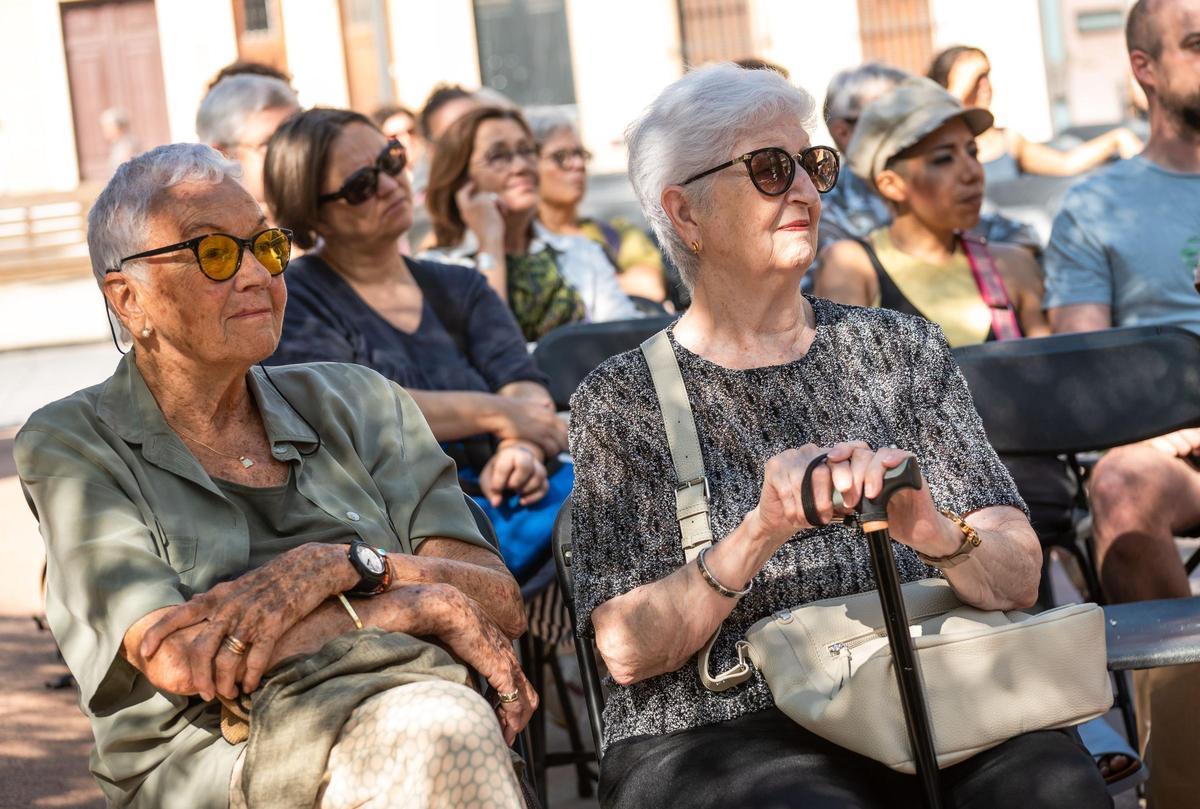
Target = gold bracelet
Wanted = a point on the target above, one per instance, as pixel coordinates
(354, 615)
(971, 541)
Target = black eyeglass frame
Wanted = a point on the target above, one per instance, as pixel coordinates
(194, 245)
(792, 160)
(373, 170)
(562, 157)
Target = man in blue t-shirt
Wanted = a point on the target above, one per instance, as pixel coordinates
(1124, 252)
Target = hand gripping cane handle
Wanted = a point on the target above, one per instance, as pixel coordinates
(905, 476)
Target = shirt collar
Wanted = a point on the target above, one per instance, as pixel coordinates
(128, 407)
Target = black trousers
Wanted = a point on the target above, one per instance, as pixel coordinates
(766, 761)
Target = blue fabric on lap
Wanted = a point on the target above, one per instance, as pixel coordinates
(524, 531)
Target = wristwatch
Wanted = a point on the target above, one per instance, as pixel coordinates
(371, 564)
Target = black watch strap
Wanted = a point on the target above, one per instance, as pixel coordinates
(371, 564)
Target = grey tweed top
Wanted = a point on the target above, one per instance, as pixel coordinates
(870, 374)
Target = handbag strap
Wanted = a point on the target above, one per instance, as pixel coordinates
(991, 288)
(691, 487)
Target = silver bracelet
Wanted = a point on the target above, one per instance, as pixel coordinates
(712, 580)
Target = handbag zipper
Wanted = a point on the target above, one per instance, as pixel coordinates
(848, 645)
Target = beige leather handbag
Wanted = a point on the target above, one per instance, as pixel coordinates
(988, 675)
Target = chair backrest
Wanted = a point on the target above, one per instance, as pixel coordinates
(593, 690)
(570, 353)
(1088, 391)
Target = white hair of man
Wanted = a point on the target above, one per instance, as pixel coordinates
(855, 87)
(224, 111)
(545, 122)
(120, 218)
(695, 124)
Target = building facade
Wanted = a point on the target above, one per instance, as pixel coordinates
(66, 61)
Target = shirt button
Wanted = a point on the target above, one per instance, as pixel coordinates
(352, 516)
(279, 450)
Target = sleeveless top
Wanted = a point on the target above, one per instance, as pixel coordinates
(945, 294)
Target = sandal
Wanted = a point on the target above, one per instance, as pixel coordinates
(1118, 763)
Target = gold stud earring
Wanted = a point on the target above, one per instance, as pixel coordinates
(696, 248)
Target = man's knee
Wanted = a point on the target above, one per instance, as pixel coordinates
(1132, 483)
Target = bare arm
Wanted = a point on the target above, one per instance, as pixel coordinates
(1080, 317)
(846, 275)
(476, 572)
(1037, 158)
(643, 280)
(436, 610)
(1023, 280)
(524, 412)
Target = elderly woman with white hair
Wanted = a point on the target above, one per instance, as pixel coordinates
(238, 116)
(726, 174)
(206, 522)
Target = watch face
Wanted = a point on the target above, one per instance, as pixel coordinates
(369, 559)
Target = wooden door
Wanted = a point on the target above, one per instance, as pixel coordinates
(897, 32)
(714, 31)
(259, 27)
(113, 60)
(368, 54)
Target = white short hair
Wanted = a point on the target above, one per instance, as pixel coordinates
(120, 217)
(224, 111)
(545, 122)
(695, 124)
(853, 88)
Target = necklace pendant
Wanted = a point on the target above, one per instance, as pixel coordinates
(246, 462)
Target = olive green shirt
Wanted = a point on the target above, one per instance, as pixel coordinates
(133, 523)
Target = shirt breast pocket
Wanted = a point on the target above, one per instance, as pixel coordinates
(181, 552)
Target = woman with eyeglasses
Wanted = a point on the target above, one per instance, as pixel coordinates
(439, 330)
(780, 385)
(562, 184)
(218, 536)
(483, 200)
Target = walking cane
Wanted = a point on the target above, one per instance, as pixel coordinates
(872, 517)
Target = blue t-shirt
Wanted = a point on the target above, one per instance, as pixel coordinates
(467, 339)
(1129, 237)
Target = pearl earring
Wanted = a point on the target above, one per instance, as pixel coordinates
(146, 331)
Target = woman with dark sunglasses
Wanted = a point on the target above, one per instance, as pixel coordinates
(778, 383)
(438, 330)
(562, 184)
(483, 200)
(217, 534)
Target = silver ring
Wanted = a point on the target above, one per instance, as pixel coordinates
(510, 697)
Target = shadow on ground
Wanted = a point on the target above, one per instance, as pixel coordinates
(44, 739)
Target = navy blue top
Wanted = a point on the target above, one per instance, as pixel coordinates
(467, 339)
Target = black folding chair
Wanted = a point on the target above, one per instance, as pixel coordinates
(570, 353)
(585, 653)
(1075, 393)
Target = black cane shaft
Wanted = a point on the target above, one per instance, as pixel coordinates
(908, 669)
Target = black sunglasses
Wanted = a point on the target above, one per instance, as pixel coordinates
(220, 255)
(773, 170)
(362, 184)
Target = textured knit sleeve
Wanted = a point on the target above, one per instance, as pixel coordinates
(622, 507)
(963, 471)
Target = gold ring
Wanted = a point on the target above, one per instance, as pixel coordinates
(505, 699)
(234, 645)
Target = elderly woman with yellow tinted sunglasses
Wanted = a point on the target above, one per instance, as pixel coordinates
(219, 538)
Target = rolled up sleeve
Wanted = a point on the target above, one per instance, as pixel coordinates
(418, 480)
(104, 568)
